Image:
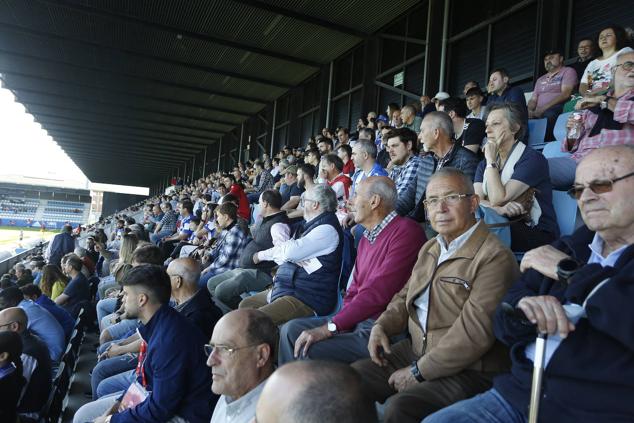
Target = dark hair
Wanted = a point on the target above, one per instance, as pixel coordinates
(31, 290)
(73, 261)
(11, 296)
(346, 148)
(195, 219)
(315, 152)
(130, 220)
(187, 205)
(327, 141)
(231, 177)
(148, 254)
(474, 91)
(335, 160)
(404, 135)
(456, 105)
(345, 131)
(261, 330)
(273, 197)
(307, 169)
(593, 45)
(333, 392)
(368, 131)
(502, 71)
(228, 209)
(622, 39)
(151, 278)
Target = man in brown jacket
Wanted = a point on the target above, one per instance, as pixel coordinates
(447, 307)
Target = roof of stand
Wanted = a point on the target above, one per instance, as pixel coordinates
(132, 89)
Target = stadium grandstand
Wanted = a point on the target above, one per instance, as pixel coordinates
(414, 211)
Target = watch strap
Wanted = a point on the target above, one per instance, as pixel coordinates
(416, 372)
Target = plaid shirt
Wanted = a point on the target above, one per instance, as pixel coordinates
(623, 113)
(405, 176)
(265, 182)
(168, 223)
(371, 235)
(226, 253)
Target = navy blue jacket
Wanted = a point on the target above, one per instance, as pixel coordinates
(61, 245)
(317, 290)
(590, 378)
(179, 380)
(62, 316)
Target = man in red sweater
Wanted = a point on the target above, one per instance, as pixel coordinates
(385, 258)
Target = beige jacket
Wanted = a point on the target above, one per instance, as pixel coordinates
(464, 293)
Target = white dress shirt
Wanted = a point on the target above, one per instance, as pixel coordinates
(241, 410)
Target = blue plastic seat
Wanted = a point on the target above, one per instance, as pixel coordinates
(560, 127)
(566, 210)
(553, 149)
(536, 133)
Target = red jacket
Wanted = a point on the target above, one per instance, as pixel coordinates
(244, 210)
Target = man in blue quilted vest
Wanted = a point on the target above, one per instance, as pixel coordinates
(307, 279)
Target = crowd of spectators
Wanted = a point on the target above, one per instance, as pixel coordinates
(374, 255)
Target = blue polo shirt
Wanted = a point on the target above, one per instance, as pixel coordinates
(44, 325)
(61, 315)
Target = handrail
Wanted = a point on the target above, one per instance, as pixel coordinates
(7, 264)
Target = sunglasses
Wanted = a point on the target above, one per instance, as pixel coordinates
(597, 187)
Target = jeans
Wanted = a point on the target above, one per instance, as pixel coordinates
(227, 287)
(156, 238)
(345, 347)
(487, 407)
(89, 412)
(110, 367)
(105, 307)
(116, 383)
(119, 330)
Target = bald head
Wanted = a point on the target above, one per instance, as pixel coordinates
(187, 268)
(13, 319)
(318, 391)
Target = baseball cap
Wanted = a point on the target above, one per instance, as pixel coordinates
(290, 169)
(382, 118)
(441, 95)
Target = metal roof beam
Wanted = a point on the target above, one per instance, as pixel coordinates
(181, 32)
(302, 17)
(126, 147)
(202, 68)
(123, 106)
(105, 129)
(116, 125)
(102, 113)
(162, 99)
(140, 78)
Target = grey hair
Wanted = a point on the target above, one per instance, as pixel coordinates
(440, 120)
(368, 146)
(326, 197)
(81, 251)
(452, 172)
(513, 115)
(623, 53)
(385, 188)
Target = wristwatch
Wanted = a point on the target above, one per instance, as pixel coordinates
(566, 268)
(416, 372)
(493, 165)
(332, 327)
(604, 103)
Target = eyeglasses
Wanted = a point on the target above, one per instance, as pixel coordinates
(451, 200)
(224, 350)
(598, 187)
(627, 66)
(7, 324)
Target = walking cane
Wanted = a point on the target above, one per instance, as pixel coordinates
(538, 362)
(538, 373)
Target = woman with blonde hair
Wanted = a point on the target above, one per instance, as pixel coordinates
(53, 281)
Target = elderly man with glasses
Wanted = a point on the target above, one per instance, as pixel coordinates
(447, 309)
(241, 354)
(579, 292)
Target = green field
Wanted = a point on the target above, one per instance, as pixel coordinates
(10, 236)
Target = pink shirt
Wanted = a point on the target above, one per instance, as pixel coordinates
(623, 113)
(548, 86)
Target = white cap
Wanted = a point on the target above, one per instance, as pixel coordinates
(441, 95)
